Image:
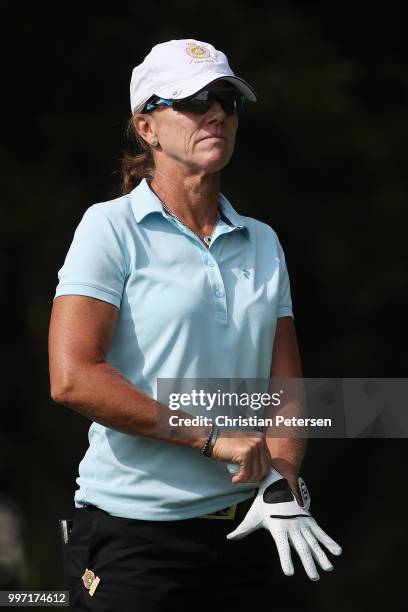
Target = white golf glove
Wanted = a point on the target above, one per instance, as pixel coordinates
(276, 509)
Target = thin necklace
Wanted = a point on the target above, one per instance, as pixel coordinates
(206, 239)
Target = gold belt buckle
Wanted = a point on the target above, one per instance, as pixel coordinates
(225, 513)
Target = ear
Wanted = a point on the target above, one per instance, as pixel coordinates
(144, 126)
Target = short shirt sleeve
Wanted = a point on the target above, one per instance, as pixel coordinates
(284, 299)
(96, 263)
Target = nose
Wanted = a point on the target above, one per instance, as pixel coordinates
(216, 112)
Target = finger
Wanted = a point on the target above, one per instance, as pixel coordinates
(330, 544)
(241, 531)
(233, 468)
(266, 462)
(316, 550)
(244, 474)
(239, 473)
(304, 553)
(252, 521)
(282, 544)
(258, 464)
(259, 470)
(258, 467)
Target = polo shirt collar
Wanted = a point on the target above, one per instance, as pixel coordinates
(228, 211)
(145, 201)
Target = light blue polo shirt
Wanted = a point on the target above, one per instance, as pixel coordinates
(185, 311)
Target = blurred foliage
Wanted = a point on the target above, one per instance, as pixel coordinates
(321, 158)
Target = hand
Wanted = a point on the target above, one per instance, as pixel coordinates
(275, 508)
(250, 456)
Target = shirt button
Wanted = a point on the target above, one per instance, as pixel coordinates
(219, 293)
(210, 263)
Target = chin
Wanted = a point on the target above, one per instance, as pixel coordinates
(215, 162)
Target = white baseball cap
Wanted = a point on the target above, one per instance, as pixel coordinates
(179, 68)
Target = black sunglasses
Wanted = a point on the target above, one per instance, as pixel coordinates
(230, 100)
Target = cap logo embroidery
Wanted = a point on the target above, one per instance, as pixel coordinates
(199, 53)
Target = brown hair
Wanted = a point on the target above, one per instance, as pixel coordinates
(135, 165)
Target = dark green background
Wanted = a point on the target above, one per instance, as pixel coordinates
(321, 158)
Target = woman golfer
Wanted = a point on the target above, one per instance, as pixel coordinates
(169, 281)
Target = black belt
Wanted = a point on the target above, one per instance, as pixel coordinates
(234, 512)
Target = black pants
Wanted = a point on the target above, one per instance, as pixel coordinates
(166, 566)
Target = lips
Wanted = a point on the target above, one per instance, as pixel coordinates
(218, 136)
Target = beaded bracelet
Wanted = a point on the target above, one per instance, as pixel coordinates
(208, 445)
